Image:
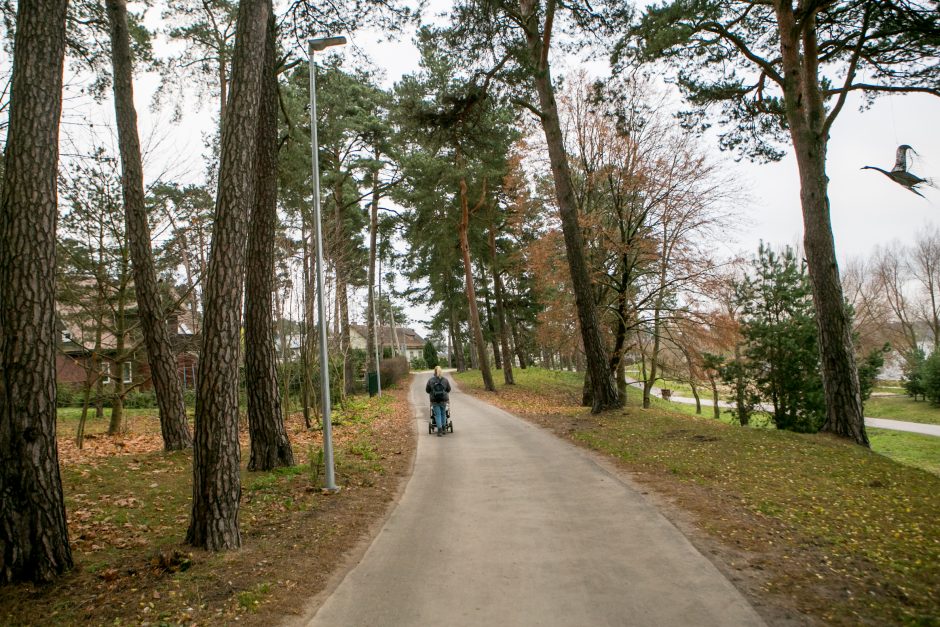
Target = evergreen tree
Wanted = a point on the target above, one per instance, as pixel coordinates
(781, 355)
(430, 354)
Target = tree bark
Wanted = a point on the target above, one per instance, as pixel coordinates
(471, 293)
(459, 358)
(216, 479)
(602, 380)
(501, 311)
(342, 299)
(806, 115)
(490, 319)
(34, 541)
(270, 446)
(306, 348)
(163, 370)
(371, 360)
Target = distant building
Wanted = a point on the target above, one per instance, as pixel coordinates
(410, 344)
(76, 351)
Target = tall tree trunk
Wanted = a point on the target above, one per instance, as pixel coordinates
(216, 478)
(371, 360)
(163, 368)
(714, 386)
(270, 447)
(501, 310)
(342, 299)
(806, 117)
(602, 380)
(34, 539)
(459, 358)
(744, 412)
(306, 347)
(518, 344)
(116, 367)
(491, 320)
(116, 424)
(471, 293)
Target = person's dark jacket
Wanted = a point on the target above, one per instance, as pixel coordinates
(430, 385)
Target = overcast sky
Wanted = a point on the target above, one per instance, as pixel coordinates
(867, 208)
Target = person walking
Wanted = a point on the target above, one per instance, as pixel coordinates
(438, 388)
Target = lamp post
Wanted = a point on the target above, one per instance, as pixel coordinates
(314, 45)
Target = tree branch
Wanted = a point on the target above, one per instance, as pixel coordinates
(889, 88)
(764, 64)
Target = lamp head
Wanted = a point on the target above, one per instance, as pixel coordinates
(325, 42)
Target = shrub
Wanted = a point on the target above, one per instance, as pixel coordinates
(418, 363)
(68, 395)
(393, 370)
(931, 377)
(141, 400)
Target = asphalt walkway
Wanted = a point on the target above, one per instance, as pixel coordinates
(878, 423)
(504, 524)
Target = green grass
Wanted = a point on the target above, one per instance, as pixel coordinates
(902, 408)
(850, 533)
(680, 388)
(912, 449)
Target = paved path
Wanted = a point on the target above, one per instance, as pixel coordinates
(504, 524)
(878, 423)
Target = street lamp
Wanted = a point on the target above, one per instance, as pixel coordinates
(314, 45)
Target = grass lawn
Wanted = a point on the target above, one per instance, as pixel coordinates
(128, 505)
(810, 522)
(902, 408)
(678, 388)
(913, 449)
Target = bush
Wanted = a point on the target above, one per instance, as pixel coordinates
(418, 363)
(931, 377)
(141, 400)
(393, 370)
(68, 395)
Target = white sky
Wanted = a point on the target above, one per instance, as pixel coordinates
(867, 208)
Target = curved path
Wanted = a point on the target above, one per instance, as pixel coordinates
(879, 423)
(504, 524)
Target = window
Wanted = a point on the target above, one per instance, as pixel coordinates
(106, 372)
(66, 336)
(127, 373)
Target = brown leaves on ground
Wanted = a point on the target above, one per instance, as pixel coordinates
(128, 502)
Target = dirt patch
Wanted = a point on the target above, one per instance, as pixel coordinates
(128, 504)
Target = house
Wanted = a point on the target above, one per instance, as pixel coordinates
(410, 344)
(75, 357)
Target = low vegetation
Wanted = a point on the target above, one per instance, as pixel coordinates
(809, 522)
(902, 408)
(128, 506)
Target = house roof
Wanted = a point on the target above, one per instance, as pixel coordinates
(407, 336)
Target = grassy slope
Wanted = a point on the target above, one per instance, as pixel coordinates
(852, 535)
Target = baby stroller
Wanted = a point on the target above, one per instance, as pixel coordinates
(448, 425)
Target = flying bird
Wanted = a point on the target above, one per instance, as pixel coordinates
(899, 173)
